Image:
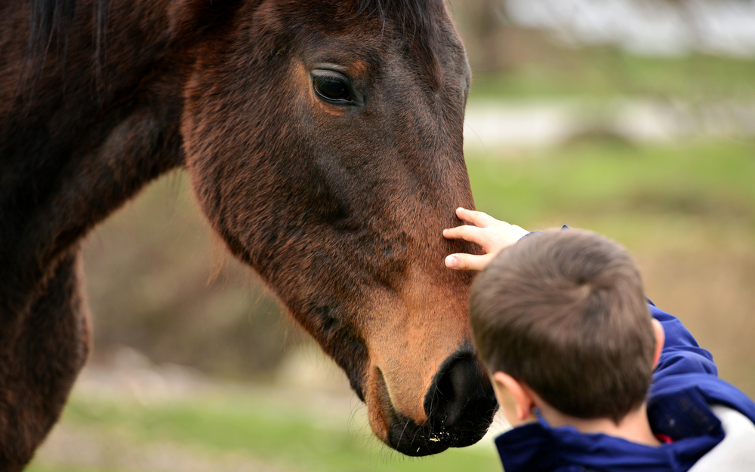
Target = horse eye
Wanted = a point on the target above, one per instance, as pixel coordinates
(331, 88)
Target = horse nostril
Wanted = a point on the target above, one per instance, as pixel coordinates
(460, 401)
(453, 389)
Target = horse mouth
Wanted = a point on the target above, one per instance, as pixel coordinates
(412, 439)
(435, 434)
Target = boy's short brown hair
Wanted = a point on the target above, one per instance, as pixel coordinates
(564, 312)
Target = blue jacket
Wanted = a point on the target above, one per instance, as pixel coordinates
(685, 383)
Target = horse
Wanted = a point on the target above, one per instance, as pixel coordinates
(323, 141)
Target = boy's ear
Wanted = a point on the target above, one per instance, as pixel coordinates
(660, 339)
(522, 399)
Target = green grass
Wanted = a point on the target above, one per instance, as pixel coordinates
(46, 468)
(607, 72)
(608, 186)
(269, 432)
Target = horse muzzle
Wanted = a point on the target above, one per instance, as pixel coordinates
(458, 406)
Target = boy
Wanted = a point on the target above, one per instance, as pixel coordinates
(561, 321)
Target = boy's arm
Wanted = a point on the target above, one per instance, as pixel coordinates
(681, 354)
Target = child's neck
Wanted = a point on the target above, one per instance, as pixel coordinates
(633, 427)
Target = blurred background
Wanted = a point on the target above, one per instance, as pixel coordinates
(632, 118)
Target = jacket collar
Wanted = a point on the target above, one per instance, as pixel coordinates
(537, 447)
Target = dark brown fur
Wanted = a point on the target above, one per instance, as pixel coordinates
(340, 209)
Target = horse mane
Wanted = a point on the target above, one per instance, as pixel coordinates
(50, 22)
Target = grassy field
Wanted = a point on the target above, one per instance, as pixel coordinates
(254, 432)
(609, 73)
(687, 212)
(596, 183)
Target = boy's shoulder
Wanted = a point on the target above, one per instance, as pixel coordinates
(716, 438)
(538, 446)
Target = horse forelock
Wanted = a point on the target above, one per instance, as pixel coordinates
(418, 22)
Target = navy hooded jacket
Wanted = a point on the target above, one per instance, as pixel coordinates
(685, 384)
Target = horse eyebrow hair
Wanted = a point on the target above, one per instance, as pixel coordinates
(411, 12)
(416, 20)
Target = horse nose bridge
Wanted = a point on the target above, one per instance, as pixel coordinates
(460, 394)
(418, 329)
(408, 364)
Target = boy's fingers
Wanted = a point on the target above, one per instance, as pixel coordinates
(467, 261)
(477, 218)
(467, 233)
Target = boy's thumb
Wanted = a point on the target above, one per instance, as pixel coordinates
(467, 261)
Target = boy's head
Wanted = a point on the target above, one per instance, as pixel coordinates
(564, 313)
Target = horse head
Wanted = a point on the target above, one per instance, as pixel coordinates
(324, 144)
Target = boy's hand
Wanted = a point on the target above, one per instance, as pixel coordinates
(491, 234)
